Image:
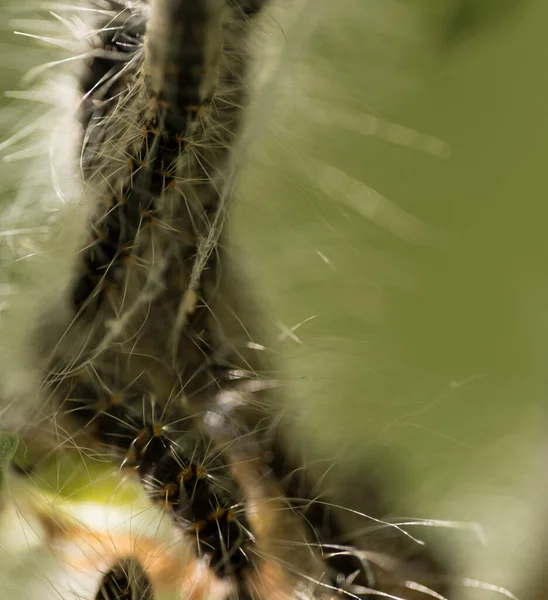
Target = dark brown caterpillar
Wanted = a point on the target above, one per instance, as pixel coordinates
(142, 205)
(126, 580)
(173, 459)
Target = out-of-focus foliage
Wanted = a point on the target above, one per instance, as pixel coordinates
(8, 446)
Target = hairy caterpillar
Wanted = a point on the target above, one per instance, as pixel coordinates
(126, 579)
(147, 292)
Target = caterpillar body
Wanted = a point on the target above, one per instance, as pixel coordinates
(152, 265)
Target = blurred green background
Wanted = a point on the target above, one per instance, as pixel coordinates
(393, 205)
(422, 261)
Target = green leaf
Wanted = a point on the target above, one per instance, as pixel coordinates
(8, 445)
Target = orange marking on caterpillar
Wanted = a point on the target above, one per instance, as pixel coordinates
(197, 526)
(186, 475)
(115, 399)
(217, 514)
(198, 109)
